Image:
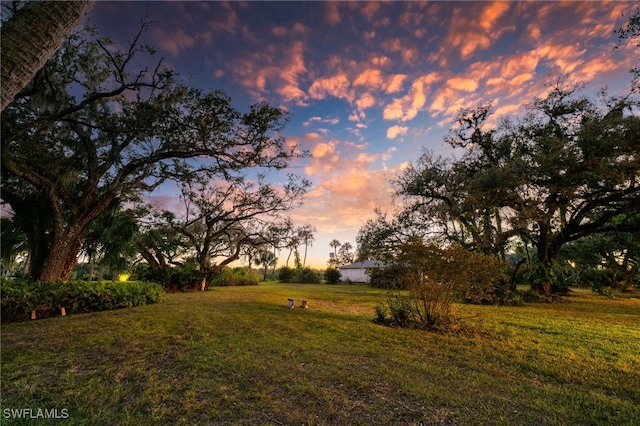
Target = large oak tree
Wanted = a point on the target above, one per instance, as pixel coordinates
(91, 127)
(224, 220)
(568, 169)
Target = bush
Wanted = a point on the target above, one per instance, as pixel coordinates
(487, 282)
(237, 277)
(437, 276)
(388, 278)
(286, 274)
(308, 276)
(20, 297)
(332, 276)
(399, 311)
(600, 280)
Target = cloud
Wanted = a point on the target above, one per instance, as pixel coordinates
(316, 119)
(474, 27)
(375, 80)
(177, 40)
(367, 100)
(394, 84)
(345, 199)
(462, 84)
(380, 61)
(407, 107)
(395, 131)
(370, 9)
(260, 73)
(332, 13)
(323, 149)
(336, 86)
(371, 78)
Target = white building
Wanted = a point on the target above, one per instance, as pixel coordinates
(357, 272)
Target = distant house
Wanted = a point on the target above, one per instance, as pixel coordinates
(357, 272)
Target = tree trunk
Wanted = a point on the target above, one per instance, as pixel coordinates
(72, 260)
(32, 36)
(289, 256)
(100, 273)
(548, 247)
(542, 283)
(62, 255)
(499, 238)
(204, 261)
(304, 259)
(156, 262)
(37, 252)
(275, 256)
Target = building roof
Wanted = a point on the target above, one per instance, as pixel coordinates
(363, 265)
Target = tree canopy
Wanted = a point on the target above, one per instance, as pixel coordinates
(568, 169)
(92, 127)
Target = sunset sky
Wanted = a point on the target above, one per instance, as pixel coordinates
(369, 84)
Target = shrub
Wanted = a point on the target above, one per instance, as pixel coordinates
(437, 276)
(332, 276)
(487, 282)
(308, 276)
(388, 278)
(238, 277)
(600, 280)
(186, 277)
(399, 311)
(20, 297)
(286, 274)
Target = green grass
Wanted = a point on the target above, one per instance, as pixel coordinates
(236, 355)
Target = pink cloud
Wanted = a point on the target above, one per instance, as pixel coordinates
(395, 82)
(176, 40)
(279, 31)
(323, 149)
(370, 9)
(380, 61)
(316, 119)
(346, 199)
(274, 68)
(395, 131)
(492, 13)
(470, 31)
(365, 101)
(369, 78)
(462, 84)
(407, 107)
(336, 86)
(332, 12)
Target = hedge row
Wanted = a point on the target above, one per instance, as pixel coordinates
(20, 297)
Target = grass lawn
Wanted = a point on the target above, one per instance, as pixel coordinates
(236, 355)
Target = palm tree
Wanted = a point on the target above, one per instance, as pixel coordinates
(306, 235)
(110, 241)
(265, 259)
(14, 244)
(335, 244)
(333, 257)
(31, 36)
(292, 244)
(345, 253)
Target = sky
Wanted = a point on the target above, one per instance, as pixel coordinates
(369, 85)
